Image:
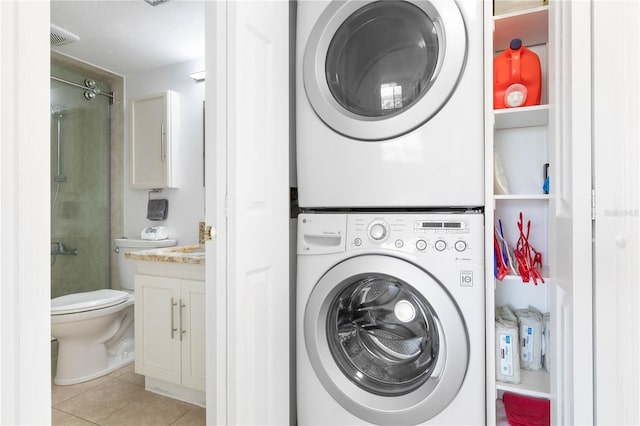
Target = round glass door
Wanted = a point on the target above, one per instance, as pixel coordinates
(386, 340)
(382, 58)
(376, 70)
(383, 336)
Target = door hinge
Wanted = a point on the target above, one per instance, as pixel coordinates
(593, 204)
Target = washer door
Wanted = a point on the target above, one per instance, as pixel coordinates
(374, 70)
(386, 340)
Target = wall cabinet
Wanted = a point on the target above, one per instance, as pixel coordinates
(170, 330)
(154, 125)
(518, 144)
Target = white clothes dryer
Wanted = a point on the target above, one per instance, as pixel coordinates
(390, 319)
(389, 103)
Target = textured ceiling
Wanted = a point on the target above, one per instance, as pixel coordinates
(130, 36)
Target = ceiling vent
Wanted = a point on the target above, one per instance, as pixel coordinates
(155, 2)
(60, 36)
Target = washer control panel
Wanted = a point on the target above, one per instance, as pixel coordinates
(458, 236)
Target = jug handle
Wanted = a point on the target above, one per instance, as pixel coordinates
(515, 65)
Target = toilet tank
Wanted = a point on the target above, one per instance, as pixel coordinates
(126, 267)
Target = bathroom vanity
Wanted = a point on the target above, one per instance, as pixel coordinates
(170, 321)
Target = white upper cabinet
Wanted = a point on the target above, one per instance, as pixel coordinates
(154, 128)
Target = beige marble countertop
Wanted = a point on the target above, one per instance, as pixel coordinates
(194, 255)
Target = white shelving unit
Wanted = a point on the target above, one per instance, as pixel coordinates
(537, 115)
(521, 197)
(533, 383)
(519, 138)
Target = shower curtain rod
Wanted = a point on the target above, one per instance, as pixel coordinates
(97, 92)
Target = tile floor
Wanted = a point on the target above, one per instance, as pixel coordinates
(119, 399)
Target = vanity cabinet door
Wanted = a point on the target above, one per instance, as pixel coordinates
(193, 334)
(157, 332)
(153, 129)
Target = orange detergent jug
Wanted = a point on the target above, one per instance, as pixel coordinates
(517, 77)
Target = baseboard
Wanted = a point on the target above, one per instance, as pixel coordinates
(174, 391)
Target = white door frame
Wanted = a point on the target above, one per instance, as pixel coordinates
(25, 274)
(215, 210)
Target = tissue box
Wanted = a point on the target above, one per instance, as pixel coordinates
(155, 233)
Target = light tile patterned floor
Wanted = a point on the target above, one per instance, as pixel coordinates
(119, 399)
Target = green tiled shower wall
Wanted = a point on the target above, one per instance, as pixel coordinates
(87, 211)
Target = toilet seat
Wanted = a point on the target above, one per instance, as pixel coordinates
(87, 301)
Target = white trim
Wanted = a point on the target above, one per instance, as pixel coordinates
(25, 348)
(215, 208)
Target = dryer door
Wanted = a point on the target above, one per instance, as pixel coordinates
(374, 70)
(386, 340)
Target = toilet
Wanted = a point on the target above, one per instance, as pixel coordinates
(94, 329)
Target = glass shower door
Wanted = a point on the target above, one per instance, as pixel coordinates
(80, 188)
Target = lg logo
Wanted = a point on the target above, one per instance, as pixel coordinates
(466, 278)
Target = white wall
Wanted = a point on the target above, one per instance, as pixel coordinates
(186, 203)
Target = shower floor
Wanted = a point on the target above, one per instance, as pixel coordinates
(119, 398)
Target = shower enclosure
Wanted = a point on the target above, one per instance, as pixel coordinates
(80, 182)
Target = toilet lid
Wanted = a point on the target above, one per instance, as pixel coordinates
(87, 301)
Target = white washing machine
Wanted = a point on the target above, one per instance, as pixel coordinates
(389, 103)
(390, 319)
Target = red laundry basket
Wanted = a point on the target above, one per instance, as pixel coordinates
(526, 411)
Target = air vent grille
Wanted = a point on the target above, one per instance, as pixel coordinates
(60, 36)
(155, 2)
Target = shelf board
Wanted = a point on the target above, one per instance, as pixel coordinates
(531, 26)
(520, 197)
(510, 118)
(533, 383)
(544, 271)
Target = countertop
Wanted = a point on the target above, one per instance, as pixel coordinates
(194, 255)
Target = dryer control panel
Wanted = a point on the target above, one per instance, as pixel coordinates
(457, 236)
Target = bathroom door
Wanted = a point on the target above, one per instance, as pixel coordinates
(248, 204)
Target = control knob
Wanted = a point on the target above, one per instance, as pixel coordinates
(378, 231)
(460, 245)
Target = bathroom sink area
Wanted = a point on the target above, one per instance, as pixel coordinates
(178, 254)
(186, 249)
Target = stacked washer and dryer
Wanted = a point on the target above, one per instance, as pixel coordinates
(390, 247)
